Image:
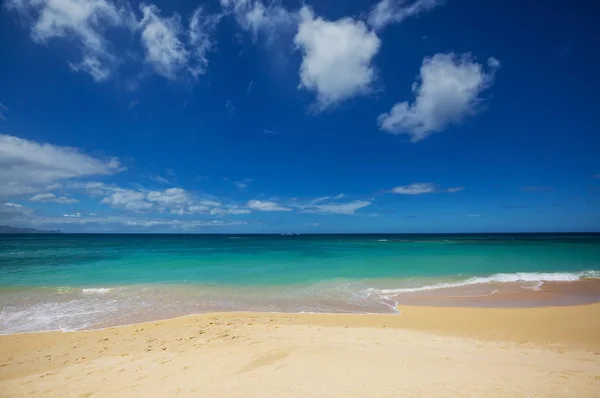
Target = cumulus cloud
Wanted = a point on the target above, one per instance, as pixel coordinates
(256, 17)
(172, 200)
(84, 21)
(269, 206)
(336, 58)
(448, 90)
(395, 11)
(128, 200)
(28, 167)
(419, 188)
(50, 197)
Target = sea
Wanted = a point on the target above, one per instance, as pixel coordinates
(90, 281)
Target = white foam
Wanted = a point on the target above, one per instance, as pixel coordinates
(501, 278)
(96, 290)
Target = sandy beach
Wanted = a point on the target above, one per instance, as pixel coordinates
(423, 351)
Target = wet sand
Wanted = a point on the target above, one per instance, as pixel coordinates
(512, 295)
(423, 351)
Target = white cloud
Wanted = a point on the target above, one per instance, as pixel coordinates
(3, 109)
(117, 223)
(337, 56)
(201, 29)
(395, 11)
(416, 188)
(28, 167)
(76, 215)
(419, 188)
(133, 104)
(448, 90)
(243, 185)
(260, 205)
(233, 210)
(474, 215)
(92, 66)
(128, 200)
(596, 176)
(165, 52)
(50, 197)
(230, 107)
(84, 21)
(172, 197)
(336, 208)
(160, 179)
(254, 16)
(13, 212)
(171, 200)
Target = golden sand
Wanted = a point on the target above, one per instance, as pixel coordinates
(422, 352)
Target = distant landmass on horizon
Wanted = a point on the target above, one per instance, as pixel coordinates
(5, 229)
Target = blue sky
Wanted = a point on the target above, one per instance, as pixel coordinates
(232, 116)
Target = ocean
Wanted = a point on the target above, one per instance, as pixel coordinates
(87, 281)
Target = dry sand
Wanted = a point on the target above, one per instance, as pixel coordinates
(422, 352)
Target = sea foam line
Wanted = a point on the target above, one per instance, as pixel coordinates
(501, 278)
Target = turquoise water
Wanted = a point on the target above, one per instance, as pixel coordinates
(78, 281)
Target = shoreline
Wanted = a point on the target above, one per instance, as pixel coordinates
(252, 353)
(76, 311)
(461, 321)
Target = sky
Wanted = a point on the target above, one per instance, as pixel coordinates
(258, 116)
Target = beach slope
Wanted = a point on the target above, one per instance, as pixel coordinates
(422, 352)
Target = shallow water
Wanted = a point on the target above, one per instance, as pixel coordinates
(71, 282)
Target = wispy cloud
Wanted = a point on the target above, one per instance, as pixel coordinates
(330, 205)
(3, 110)
(230, 107)
(474, 215)
(416, 188)
(347, 208)
(171, 50)
(420, 188)
(395, 11)
(76, 215)
(268, 206)
(50, 197)
(82, 21)
(29, 167)
(259, 18)
(519, 206)
(243, 185)
(536, 189)
(267, 131)
(133, 103)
